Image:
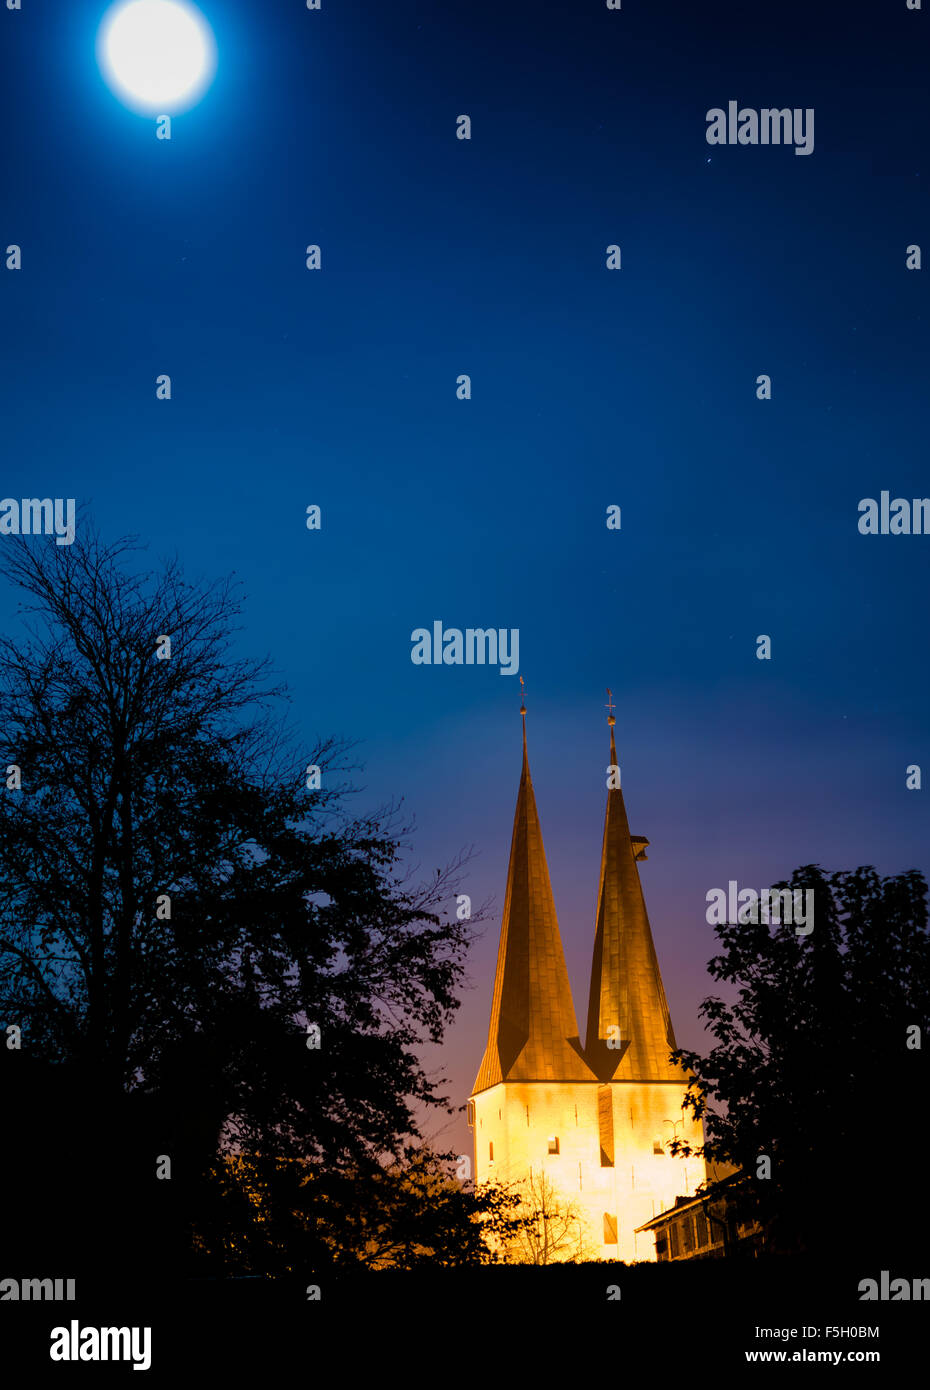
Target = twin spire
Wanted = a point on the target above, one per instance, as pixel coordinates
(533, 1035)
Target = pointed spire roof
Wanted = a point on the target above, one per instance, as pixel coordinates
(533, 1034)
(626, 984)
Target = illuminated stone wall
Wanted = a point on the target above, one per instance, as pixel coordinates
(520, 1119)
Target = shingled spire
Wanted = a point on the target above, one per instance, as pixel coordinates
(626, 985)
(533, 1034)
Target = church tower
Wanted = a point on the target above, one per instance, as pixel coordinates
(582, 1131)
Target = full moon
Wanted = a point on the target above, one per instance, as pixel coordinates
(158, 56)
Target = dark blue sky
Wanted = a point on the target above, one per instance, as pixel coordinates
(589, 387)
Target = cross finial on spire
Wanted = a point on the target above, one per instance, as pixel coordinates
(522, 697)
(610, 708)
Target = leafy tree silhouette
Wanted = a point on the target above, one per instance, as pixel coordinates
(820, 1064)
(415, 1214)
(177, 908)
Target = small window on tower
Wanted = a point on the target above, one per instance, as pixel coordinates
(470, 1114)
(610, 1229)
(657, 1146)
(553, 1144)
(491, 1152)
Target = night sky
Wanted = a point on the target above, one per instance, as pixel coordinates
(590, 387)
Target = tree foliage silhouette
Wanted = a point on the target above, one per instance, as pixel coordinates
(414, 1215)
(819, 1062)
(177, 908)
